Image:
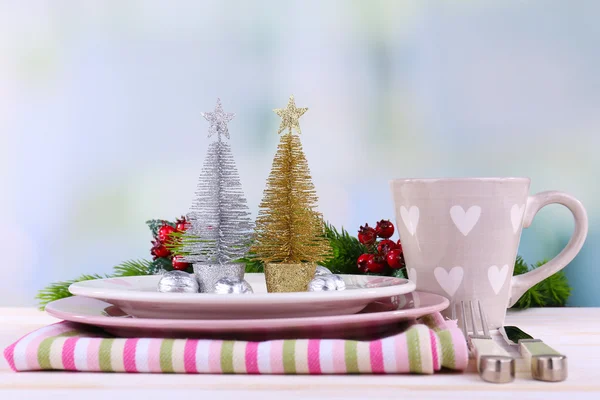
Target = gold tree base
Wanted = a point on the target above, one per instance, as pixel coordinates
(289, 277)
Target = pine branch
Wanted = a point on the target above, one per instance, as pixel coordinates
(553, 291)
(60, 290)
(253, 264)
(521, 266)
(132, 268)
(346, 250)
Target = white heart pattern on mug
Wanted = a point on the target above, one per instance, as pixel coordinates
(497, 277)
(410, 218)
(465, 221)
(412, 275)
(516, 216)
(449, 281)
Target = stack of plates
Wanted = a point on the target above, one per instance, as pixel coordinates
(132, 307)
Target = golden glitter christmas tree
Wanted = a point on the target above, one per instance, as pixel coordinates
(289, 235)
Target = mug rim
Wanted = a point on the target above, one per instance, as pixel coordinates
(464, 179)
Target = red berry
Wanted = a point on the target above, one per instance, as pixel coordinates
(164, 232)
(394, 259)
(179, 264)
(182, 224)
(384, 229)
(376, 264)
(159, 250)
(385, 245)
(367, 235)
(362, 262)
(399, 245)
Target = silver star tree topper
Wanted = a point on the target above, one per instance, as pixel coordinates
(218, 120)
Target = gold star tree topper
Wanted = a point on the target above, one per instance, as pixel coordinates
(290, 116)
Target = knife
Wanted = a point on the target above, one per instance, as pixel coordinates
(546, 363)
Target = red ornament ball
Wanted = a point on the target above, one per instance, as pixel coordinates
(159, 250)
(362, 262)
(367, 235)
(164, 232)
(399, 245)
(394, 258)
(182, 224)
(179, 264)
(384, 229)
(376, 264)
(385, 246)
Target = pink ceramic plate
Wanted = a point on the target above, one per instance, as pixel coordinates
(138, 296)
(377, 319)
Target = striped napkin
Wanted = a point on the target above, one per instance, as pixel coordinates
(427, 345)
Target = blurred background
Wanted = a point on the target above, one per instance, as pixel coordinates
(100, 124)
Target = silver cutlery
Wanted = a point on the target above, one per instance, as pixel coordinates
(493, 362)
(546, 363)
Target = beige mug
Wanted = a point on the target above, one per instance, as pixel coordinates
(460, 237)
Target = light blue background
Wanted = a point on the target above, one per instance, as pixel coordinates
(100, 121)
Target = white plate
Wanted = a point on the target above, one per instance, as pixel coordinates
(378, 319)
(138, 296)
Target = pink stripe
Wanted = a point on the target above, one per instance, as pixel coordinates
(314, 357)
(214, 356)
(461, 353)
(154, 355)
(402, 364)
(129, 355)
(189, 356)
(31, 352)
(68, 354)
(93, 355)
(338, 351)
(252, 358)
(434, 353)
(277, 357)
(9, 354)
(376, 351)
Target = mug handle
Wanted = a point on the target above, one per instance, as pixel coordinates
(521, 283)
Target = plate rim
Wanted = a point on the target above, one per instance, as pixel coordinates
(231, 325)
(80, 289)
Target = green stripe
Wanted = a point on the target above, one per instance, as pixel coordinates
(104, 355)
(351, 358)
(289, 356)
(447, 346)
(166, 355)
(414, 350)
(227, 357)
(43, 354)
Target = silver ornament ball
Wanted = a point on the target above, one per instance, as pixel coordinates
(178, 282)
(322, 271)
(232, 286)
(326, 283)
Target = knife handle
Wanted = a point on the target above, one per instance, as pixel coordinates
(546, 363)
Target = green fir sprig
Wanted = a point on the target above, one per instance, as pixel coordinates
(60, 290)
(346, 250)
(553, 291)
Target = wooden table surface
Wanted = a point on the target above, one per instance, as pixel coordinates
(573, 331)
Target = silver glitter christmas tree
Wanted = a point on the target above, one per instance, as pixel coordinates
(219, 225)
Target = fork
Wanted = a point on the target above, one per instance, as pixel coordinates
(493, 362)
